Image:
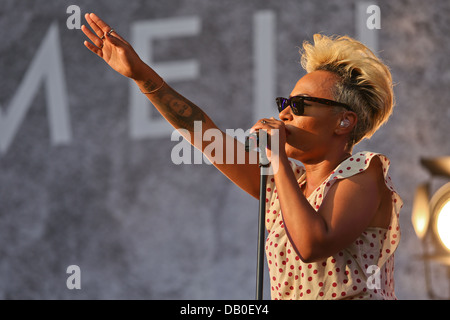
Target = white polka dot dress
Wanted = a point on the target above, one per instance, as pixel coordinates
(363, 270)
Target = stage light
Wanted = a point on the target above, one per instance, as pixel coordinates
(440, 213)
(431, 220)
(421, 210)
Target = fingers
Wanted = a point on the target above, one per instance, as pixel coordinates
(265, 123)
(101, 28)
(92, 36)
(259, 125)
(98, 31)
(100, 24)
(101, 32)
(93, 48)
(105, 28)
(96, 37)
(97, 24)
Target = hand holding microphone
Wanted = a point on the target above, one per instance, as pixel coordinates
(252, 141)
(274, 135)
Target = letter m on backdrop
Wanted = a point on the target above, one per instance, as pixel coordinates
(46, 66)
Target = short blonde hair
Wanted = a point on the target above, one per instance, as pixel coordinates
(365, 82)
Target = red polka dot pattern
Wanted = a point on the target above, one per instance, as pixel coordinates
(346, 274)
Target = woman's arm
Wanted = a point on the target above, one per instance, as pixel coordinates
(176, 109)
(350, 206)
(182, 114)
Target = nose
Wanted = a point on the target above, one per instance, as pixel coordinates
(286, 114)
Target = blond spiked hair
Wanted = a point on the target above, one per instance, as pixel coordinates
(365, 82)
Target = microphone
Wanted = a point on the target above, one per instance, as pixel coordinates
(258, 139)
(252, 141)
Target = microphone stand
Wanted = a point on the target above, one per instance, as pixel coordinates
(263, 164)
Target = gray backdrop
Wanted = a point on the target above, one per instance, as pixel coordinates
(86, 174)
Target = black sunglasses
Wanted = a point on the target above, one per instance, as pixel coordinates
(298, 104)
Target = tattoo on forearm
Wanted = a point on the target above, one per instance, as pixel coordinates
(180, 111)
(149, 85)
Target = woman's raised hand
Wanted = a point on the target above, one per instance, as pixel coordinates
(111, 47)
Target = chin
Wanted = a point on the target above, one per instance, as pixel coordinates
(293, 152)
(304, 155)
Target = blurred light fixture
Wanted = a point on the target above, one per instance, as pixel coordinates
(421, 210)
(431, 218)
(440, 211)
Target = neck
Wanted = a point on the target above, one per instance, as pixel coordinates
(318, 170)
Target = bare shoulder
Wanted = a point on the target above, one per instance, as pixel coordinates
(369, 180)
(361, 198)
(374, 174)
(355, 203)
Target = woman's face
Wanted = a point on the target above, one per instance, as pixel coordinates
(310, 135)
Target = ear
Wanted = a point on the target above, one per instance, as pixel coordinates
(346, 123)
